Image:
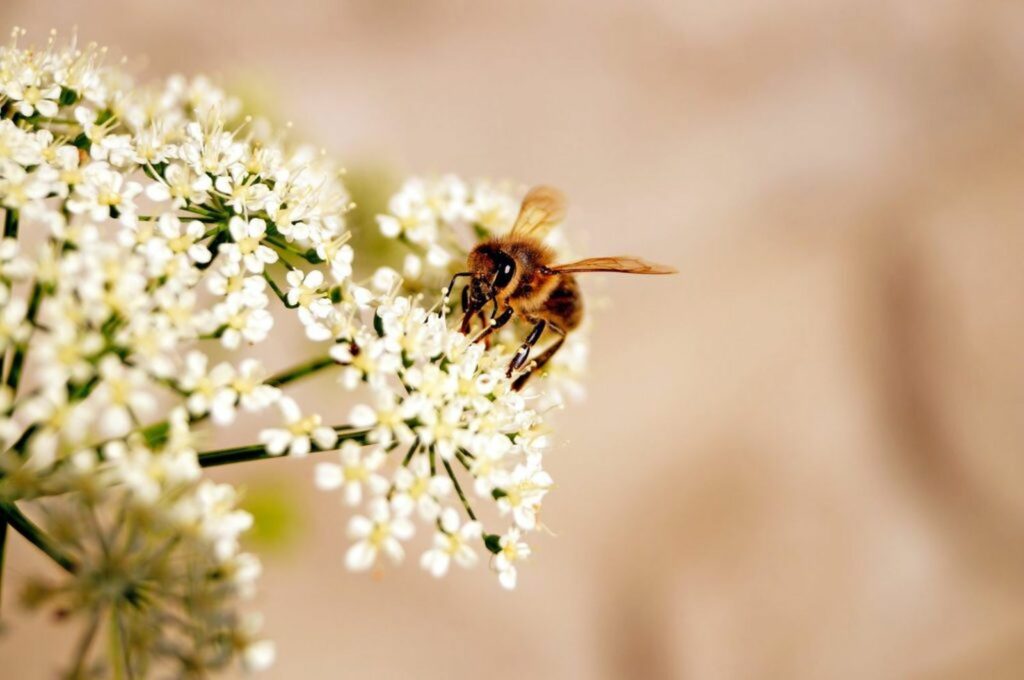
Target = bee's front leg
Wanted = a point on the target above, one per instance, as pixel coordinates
(495, 323)
(486, 337)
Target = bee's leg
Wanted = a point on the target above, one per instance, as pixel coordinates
(466, 316)
(523, 353)
(495, 323)
(494, 320)
(542, 359)
(486, 337)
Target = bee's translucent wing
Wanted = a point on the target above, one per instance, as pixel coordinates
(620, 263)
(543, 208)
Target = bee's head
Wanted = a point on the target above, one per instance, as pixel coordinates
(493, 271)
(478, 293)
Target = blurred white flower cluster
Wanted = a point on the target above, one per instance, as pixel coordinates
(139, 222)
(148, 227)
(428, 216)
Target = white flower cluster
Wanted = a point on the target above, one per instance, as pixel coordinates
(433, 216)
(145, 226)
(139, 222)
(440, 404)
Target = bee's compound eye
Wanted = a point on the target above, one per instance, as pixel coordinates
(505, 269)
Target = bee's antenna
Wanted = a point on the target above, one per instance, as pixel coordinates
(446, 293)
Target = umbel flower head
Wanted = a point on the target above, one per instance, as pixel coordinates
(147, 226)
(153, 563)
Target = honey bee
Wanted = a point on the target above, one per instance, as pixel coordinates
(516, 273)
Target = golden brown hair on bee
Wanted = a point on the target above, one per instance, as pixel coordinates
(524, 260)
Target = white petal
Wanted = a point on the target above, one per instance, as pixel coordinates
(402, 528)
(389, 226)
(300, 447)
(436, 562)
(158, 192)
(362, 416)
(327, 476)
(360, 556)
(353, 493)
(359, 527)
(394, 550)
(259, 656)
(507, 577)
(275, 440)
(325, 437)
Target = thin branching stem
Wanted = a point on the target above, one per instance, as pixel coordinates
(85, 643)
(277, 291)
(300, 371)
(412, 450)
(244, 454)
(309, 256)
(18, 359)
(461, 454)
(3, 546)
(10, 231)
(122, 641)
(36, 536)
(458, 490)
(10, 223)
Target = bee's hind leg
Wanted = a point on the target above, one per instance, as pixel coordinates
(523, 353)
(540, 360)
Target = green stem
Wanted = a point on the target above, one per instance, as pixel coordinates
(36, 536)
(84, 643)
(3, 546)
(119, 646)
(277, 290)
(190, 218)
(412, 450)
(213, 231)
(222, 236)
(10, 223)
(157, 432)
(300, 371)
(203, 210)
(10, 231)
(461, 454)
(18, 360)
(458, 490)
(309, 256)
(244, 454)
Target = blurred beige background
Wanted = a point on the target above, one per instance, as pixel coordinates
(802, 458)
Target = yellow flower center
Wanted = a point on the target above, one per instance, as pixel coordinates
(180, 244)
(303, 425)
(248, 245)
(107, 197)
(356, 473)
(379, 534)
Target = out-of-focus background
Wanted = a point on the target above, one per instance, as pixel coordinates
(801, 458)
